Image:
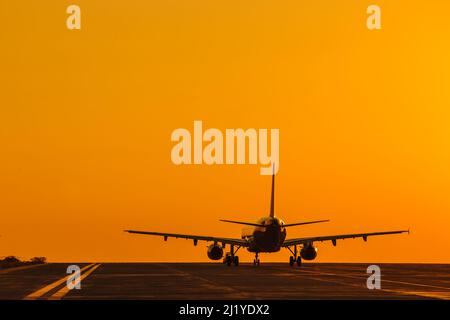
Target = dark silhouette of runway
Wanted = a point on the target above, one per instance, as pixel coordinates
(217, 281)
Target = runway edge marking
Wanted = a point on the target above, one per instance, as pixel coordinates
(39, 293)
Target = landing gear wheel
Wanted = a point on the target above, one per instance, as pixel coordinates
(291, 261)
(236, 261)
(299, 261)
(228, 260)
(256, 261)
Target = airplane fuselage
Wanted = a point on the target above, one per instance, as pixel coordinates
(265, 239)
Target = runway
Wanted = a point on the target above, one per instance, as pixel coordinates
(216, 281)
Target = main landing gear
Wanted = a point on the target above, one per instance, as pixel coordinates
(294, 258)
(231, 258)
(256, 260)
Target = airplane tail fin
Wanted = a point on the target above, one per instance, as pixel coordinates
(272, 199)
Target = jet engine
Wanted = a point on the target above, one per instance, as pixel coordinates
(308, 252)
(215, 252)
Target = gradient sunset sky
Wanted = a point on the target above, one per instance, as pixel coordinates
(86, 118)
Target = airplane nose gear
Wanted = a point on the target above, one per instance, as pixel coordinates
(256, 260)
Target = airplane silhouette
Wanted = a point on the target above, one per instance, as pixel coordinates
(267, 234)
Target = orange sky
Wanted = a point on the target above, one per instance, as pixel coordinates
(86, 118)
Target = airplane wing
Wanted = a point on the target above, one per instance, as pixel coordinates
(291, 242)
(238, 242)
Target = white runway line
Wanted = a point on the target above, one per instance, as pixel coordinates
(384, 280)
(442, 293)
(209, 284)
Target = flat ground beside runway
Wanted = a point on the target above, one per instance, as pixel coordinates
(217, 281)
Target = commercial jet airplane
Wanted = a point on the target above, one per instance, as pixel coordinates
(268, 234)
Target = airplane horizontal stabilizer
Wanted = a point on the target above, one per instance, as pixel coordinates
(244, 223)
(302, 223)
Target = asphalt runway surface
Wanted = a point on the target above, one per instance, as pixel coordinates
(216, 281)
